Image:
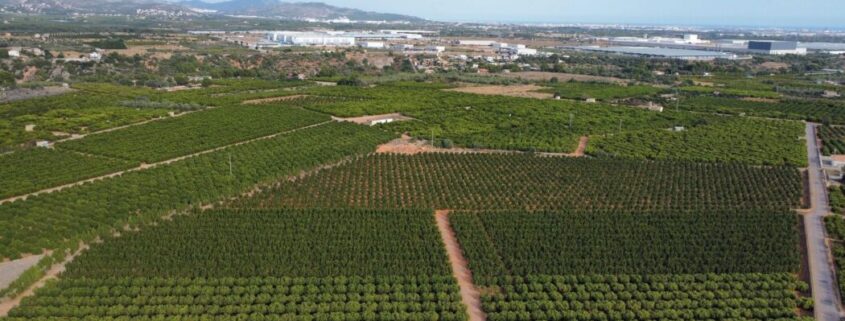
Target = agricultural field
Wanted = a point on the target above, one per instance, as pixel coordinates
(601, 91)
(833, 139)
(491, 181)
(260, 206)
(732, 140)
(55, 219)
(622, 242)
(647, 265)
(233, 265)
(499, 122)
(32, 170)
(835, 225)
(196, 132)
(91, 107)
(817, 110)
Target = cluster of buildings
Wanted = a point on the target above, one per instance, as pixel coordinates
(505, 51)
(339, 38)
(693, 42)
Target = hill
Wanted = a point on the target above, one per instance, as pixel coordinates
(257, 8)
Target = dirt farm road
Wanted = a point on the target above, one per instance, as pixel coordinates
(822, 280)
(469, 294)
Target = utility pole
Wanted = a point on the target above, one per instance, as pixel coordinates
(230, 165)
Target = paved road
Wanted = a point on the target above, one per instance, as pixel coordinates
(821, 274)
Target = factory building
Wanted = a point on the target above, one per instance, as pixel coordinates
(371, 44)
(661, 53)
(311, 39)
(776, 48)
(479, 43)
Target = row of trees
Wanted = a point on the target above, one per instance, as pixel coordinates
(270, 243)
(666, 297)
(179, 136)
(94, 209)
(735, 140)
(31, 170)
(676, 242)
(498, 181)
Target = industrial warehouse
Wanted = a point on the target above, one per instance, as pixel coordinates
(669, 53)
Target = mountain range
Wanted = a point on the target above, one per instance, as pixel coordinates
(257, 8)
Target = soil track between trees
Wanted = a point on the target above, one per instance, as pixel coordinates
(469, 294)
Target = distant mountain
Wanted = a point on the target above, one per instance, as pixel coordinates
(259, 8)
(294, 10)
(86, 6)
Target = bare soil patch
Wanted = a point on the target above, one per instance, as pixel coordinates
(272, 99)
(524, 91)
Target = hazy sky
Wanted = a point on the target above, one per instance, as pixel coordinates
(814, 13)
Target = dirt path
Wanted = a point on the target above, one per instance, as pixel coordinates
(153, 165)
(53, 273)
(469, 294)
(582, 146)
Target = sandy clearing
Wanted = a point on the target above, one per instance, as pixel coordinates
(272, 99)
(523, 91)
(368, 120)
(469, 294)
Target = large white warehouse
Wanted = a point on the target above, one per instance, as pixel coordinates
(311, 39)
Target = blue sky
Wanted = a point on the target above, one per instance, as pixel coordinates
(811, 13)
